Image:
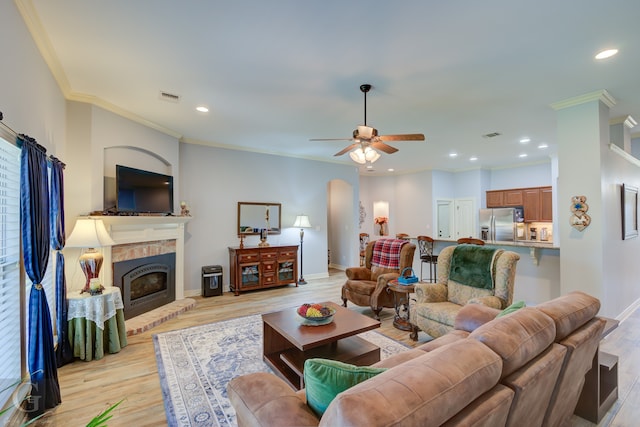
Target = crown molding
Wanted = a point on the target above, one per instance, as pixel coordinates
(599, 95)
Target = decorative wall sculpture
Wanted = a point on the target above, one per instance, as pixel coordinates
(579, 218)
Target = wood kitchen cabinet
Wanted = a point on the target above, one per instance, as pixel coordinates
(546, 204)
(531, 204)
(536, 201)
(258, 267)
(513, 198)
(495, 199)
(504, 198)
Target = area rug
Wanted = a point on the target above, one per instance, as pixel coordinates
(195, 365)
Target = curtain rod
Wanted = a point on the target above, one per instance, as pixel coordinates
(17, 135)
(6, 126)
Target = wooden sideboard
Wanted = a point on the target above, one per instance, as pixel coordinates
(259, 267)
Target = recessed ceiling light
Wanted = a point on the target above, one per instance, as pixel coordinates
(608, 53)
(453, 155)
(525, 140)
(543, 145)
(390, 170)
(369, 167)
(523, 155)
(202, 109)
(473, 159)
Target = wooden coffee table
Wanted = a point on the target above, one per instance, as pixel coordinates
(287, 343)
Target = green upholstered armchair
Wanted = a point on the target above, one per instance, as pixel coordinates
(384, 261)
(437, 304)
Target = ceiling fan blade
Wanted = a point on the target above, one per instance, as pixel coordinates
(346, 149)
(378, 145)
(406, 137)
(331, 139)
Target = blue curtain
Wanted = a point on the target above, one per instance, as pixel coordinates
(34, 221)
(63, 351)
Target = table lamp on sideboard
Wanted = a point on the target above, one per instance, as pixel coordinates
(89, 233)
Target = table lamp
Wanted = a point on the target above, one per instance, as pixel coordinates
(302, 221)
(89, 233)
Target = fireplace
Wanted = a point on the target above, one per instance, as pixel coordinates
(146, 283)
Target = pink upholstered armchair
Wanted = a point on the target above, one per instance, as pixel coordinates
(384, 261)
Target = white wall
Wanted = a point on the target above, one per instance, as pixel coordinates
(537, 175)
(340, 225)
(620, 257)
(214, 180)
(31, 103)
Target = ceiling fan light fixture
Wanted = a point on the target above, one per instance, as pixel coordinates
(362, 156)
(371, 155)
(357, 156)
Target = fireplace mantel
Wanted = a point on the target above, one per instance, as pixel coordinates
(138, 229)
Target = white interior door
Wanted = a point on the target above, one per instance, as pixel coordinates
(465, 218)
(444, 219)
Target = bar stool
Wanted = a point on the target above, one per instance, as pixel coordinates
(425, 246)
(470, 241)
(402, 236)
(364, 239)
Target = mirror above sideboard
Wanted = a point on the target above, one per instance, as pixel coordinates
(252, 217)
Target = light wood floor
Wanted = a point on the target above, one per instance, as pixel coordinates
(88, 388)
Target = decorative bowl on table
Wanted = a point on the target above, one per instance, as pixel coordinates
(316, 314)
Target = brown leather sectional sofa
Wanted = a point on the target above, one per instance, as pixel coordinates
(525, 368)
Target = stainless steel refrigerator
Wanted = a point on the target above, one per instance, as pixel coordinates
(499, 224)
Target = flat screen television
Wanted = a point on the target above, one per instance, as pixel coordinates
(140, 191)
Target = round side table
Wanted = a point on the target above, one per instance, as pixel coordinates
(401, 301)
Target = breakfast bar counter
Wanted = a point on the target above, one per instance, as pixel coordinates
(537, 273)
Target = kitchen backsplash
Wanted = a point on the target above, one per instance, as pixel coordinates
(538, 231)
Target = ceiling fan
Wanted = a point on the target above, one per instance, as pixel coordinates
(366, 139)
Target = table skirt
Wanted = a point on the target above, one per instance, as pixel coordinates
(89, 342)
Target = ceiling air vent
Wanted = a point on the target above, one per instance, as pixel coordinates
(166, 96)
(491, 135)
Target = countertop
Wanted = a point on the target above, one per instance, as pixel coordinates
(523, 243)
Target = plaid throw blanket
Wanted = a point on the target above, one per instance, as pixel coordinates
(386, 253)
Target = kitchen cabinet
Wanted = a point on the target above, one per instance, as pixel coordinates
(258, 267)
(536, 201)
(513, 198)
(531, 204)
(495, 199)
(546, 208)
(504, 198)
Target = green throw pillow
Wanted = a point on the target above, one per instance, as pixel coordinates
(513, 307)
(324, 379)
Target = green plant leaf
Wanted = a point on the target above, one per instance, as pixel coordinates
(101, 420)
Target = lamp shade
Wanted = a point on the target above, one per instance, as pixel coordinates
(89, 233)
(302, 221)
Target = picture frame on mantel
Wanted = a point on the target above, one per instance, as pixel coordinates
(629, 211)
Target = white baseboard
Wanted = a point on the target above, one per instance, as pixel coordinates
(628, 311)
(338, 266)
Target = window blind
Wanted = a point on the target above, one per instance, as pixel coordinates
(10, 306)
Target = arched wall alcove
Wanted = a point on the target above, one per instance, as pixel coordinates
(134, 157)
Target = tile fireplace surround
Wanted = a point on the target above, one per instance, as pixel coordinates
(144, 235)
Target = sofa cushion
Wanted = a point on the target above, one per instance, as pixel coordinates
(427, 390)
(472, 316)
(570, 311)
(517, 338)
(461, 294)
(262, 398)
(512, 308)
(445, 339)
(324, 379)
